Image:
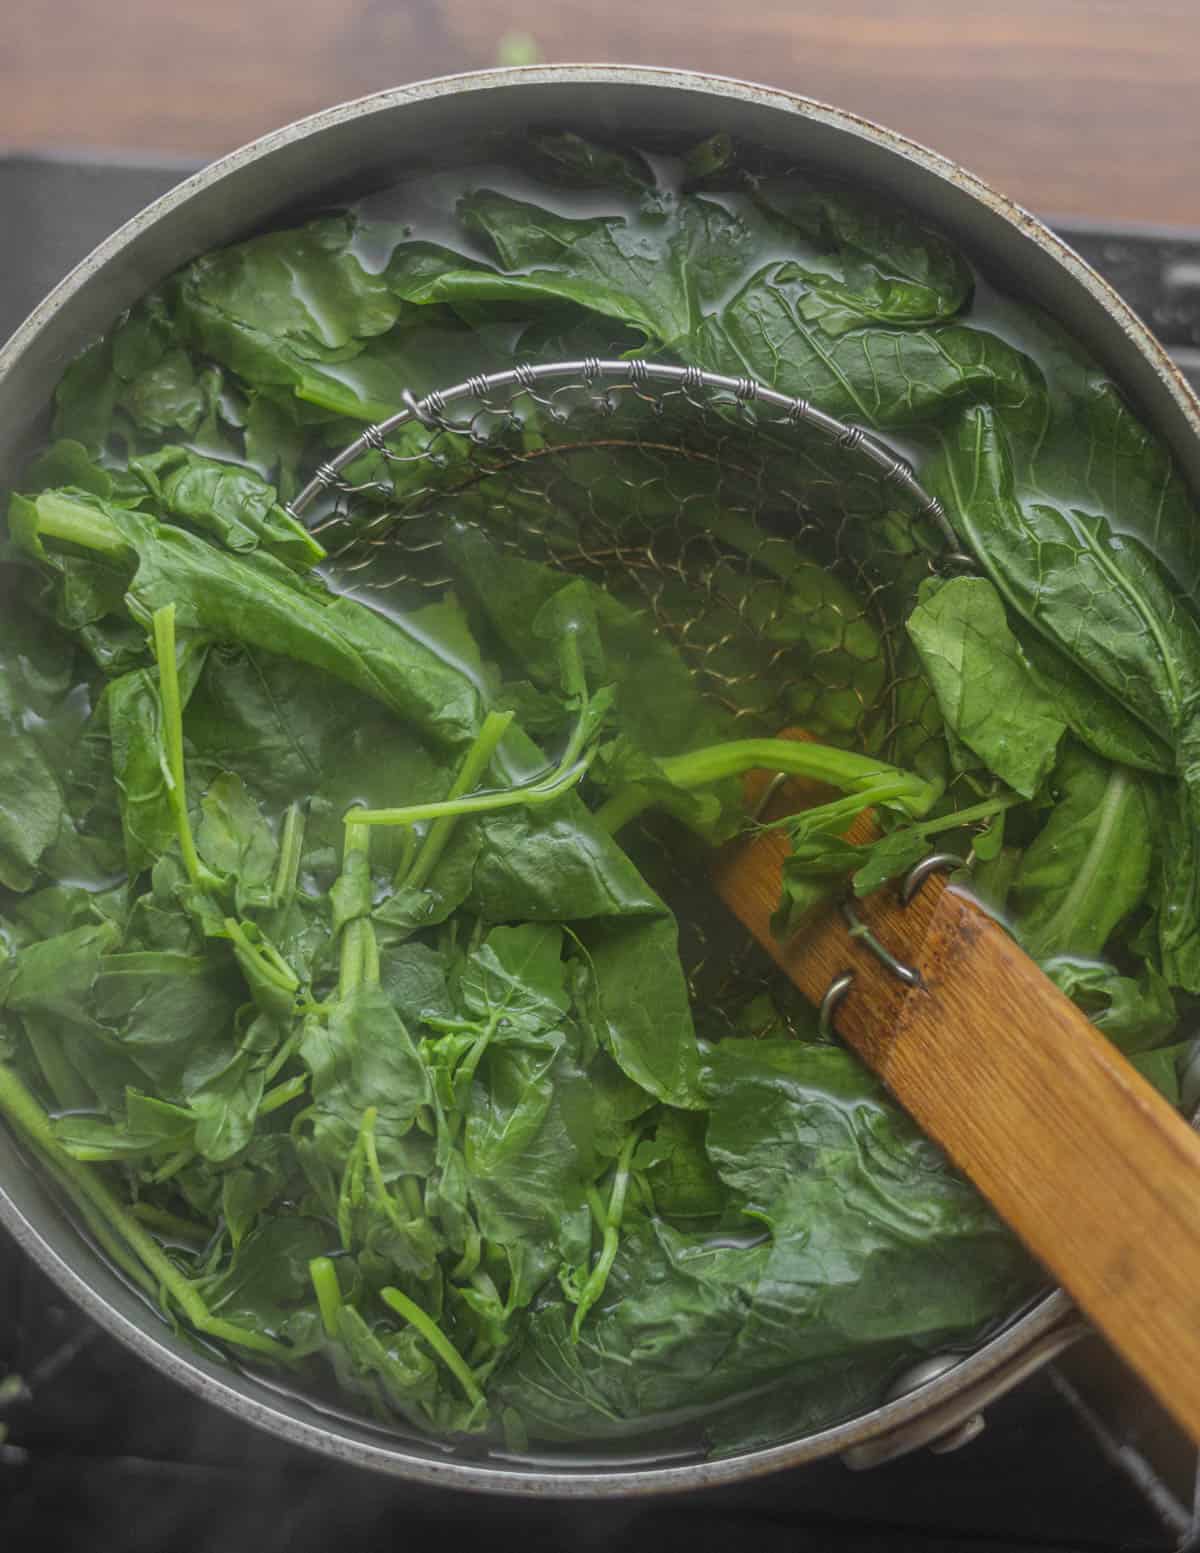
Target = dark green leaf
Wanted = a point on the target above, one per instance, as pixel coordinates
(1089, 866)
(986, 695)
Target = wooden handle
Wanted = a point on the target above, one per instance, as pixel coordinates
(1088, 1164)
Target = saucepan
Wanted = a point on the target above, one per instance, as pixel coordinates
(367, 142)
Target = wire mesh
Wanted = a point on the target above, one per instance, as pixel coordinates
(775, 549)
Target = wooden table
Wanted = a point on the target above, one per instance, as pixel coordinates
(1074, 107)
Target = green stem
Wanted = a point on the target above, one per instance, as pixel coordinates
(104, 1235)
(170, 1223)
(283, 1094)
(266, 959)
(838, 768)
(544, 791)
(359, 953)
(172, 710)
(979, 811)
(624, 806)
(351, 1190)
(469, 1261)
(385, 1197)
(599, 1211)
(281, 1056)
(173, 1166)
(437, 1340)
(350, 962)
(78, 524)
(843, 769)
(410, 842)
(595, 1286)
(470, 773)
(24, 1112)
(291, 843)
(370, 956)
(328, 1291)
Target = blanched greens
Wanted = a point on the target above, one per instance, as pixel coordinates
(342, 986)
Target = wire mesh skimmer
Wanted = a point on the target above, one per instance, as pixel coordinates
(775, 547)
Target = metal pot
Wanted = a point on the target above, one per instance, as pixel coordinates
(373, 140)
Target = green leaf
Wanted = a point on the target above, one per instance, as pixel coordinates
(236, 842)
(1135, 1014)
(1096, 595)
(1104, 725)
(233, 504)
(362, 1055)
(879, 262)
(55, 977)
(279, 308)
(1088, 867)
(40, 713)
(517, 979)
(584, 164)
(637, 1008)
(986, 695)
(258, 602)
(266, 1285)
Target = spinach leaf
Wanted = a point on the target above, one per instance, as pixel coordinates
(362, 1055)
(425, 1083)
(284, 309)
(139, 756)
(232, 503)
(1089, 866)
(1095, 595)
(40, 711)
(986, 695)
(1135, 1014)
(259, 602)
(880, 263)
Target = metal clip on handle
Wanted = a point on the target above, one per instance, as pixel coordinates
(936, 862)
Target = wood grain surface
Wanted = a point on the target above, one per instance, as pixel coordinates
(1073, 107)
(1091, 1167)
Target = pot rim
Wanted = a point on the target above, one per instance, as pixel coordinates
(557, 1479)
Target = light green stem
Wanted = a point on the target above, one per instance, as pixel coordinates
(328, 1291)
(437, 1340)
(470, 774)
(172, 710)
(24, 1112)
(291, 843)
(978, 811)
(170, 1223)
(544, 791)
(838, 768)
(387, 1201)
(843, 769)
(267, 959)
(597, 1281)
(623, 807)
(279, 1060)
(359, 953)
(78, 524)
(283, 1094)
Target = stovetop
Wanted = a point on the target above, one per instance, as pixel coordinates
(103, 1454)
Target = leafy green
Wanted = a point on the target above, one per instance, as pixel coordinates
(988, 699)
(1088, 867)
(38, 716)
(342, 989)
(230, 502)
(257, 601)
